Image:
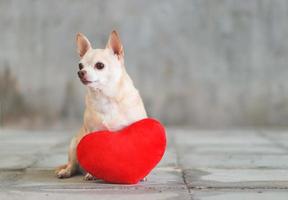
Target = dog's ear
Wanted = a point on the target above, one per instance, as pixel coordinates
(83, 44)
(115, 44)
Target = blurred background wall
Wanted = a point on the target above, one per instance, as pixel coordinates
(201, 63)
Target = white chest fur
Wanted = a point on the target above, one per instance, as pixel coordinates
(103, 113)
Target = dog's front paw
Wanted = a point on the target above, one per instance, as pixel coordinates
(64, 172)
(89, 177)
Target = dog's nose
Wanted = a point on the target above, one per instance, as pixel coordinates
(81, 73)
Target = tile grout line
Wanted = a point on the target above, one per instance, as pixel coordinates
(180, 167)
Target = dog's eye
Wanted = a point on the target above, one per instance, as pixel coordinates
(81, 66)
(99, 65)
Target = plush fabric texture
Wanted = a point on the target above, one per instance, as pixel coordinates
(124, 156)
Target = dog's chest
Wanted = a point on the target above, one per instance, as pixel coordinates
(105, 106)
(104, 113)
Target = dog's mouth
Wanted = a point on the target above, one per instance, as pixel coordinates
(86, 82)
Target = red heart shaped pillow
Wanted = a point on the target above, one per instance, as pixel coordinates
(124, 156)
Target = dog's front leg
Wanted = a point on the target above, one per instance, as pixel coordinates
(71, 168)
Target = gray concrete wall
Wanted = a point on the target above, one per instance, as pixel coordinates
(205, 63)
